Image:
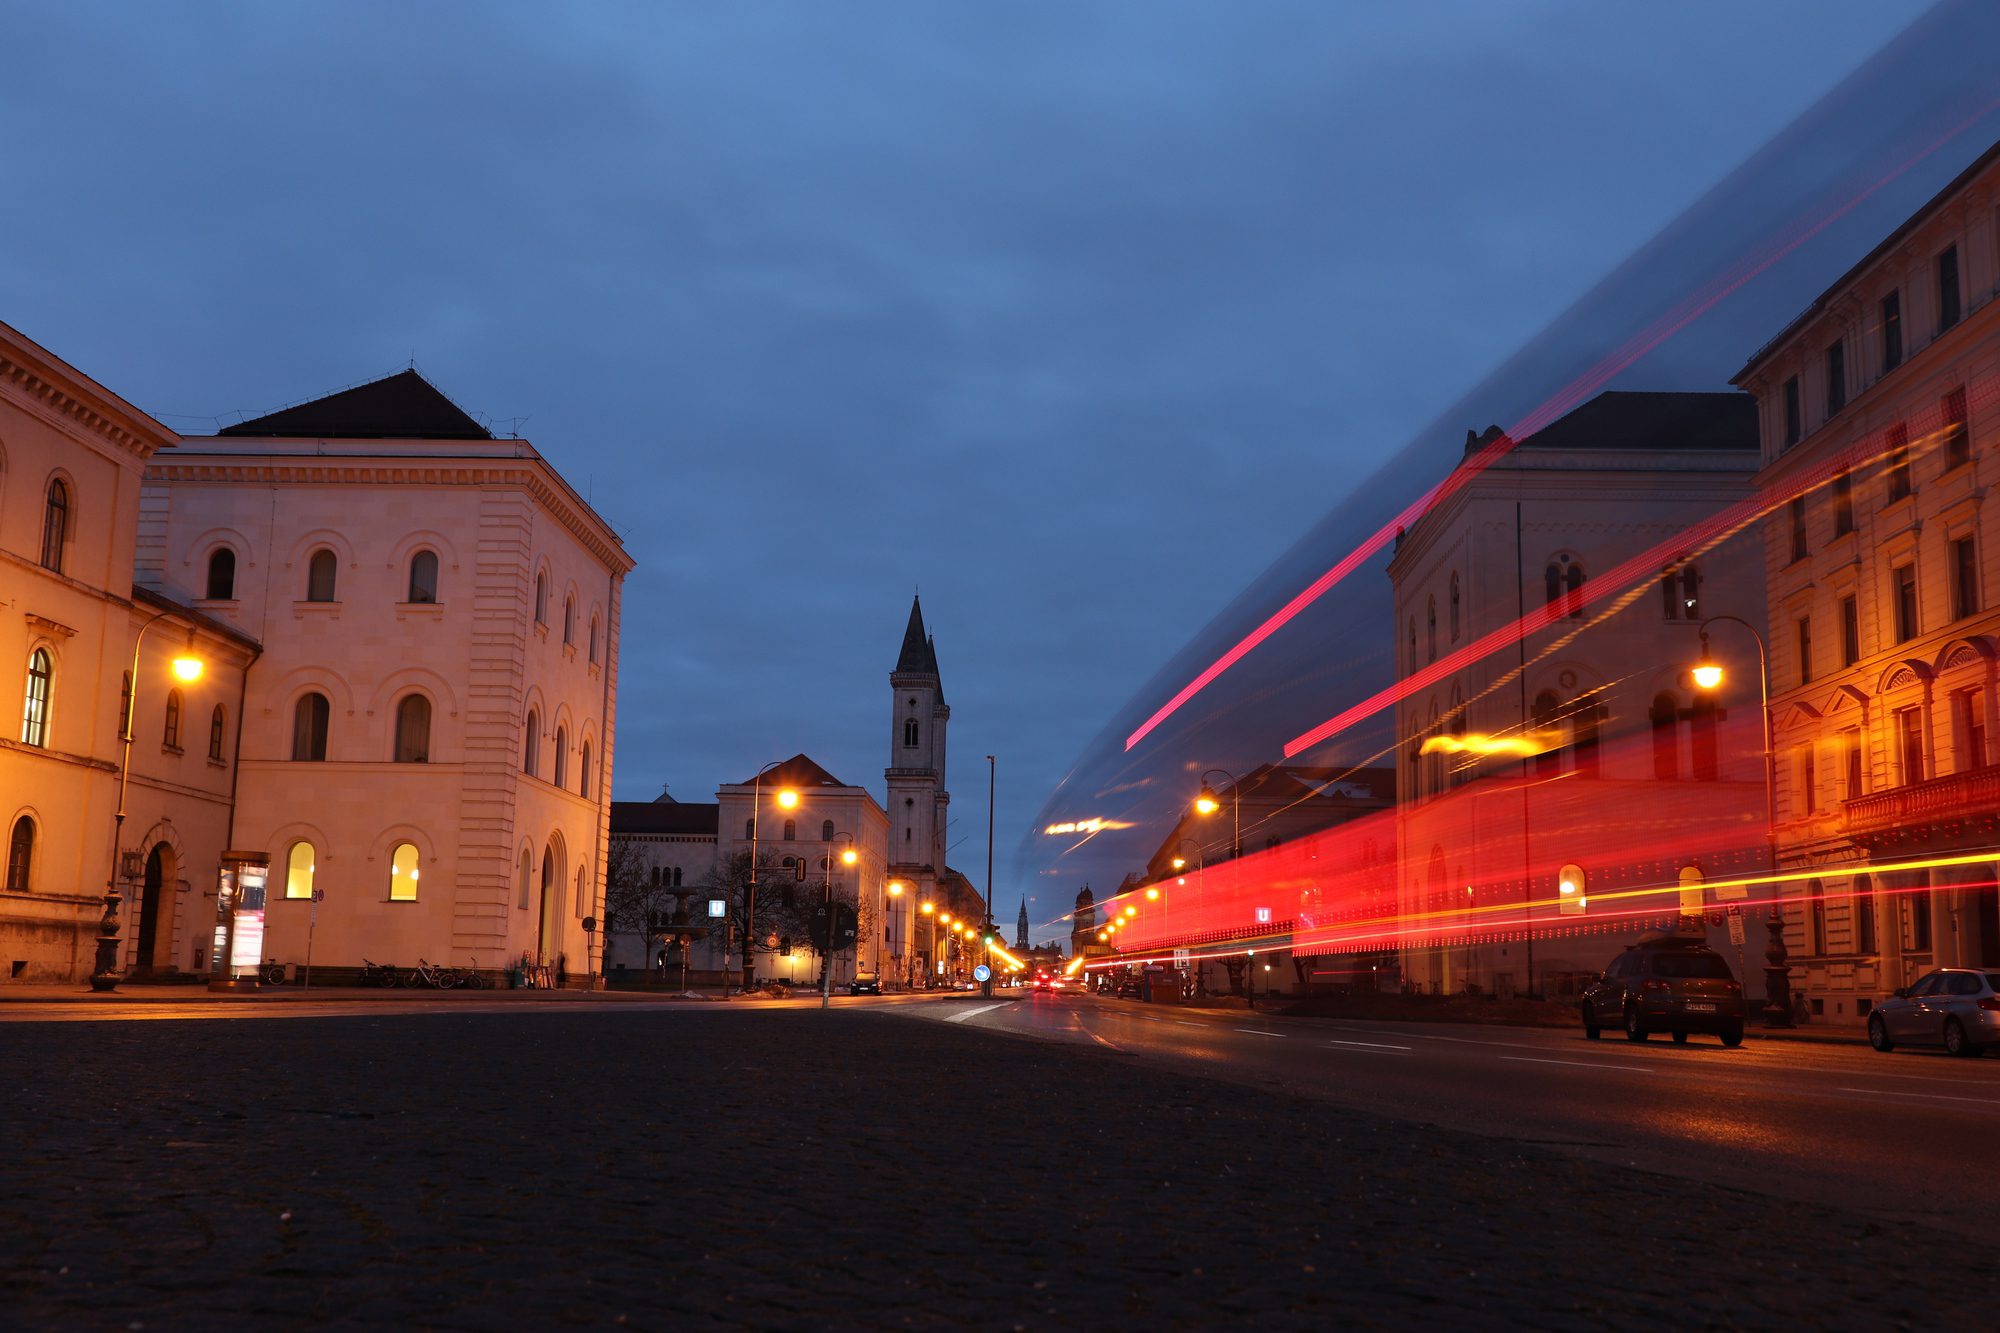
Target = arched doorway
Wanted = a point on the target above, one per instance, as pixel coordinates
(548, 935)
(159, 874)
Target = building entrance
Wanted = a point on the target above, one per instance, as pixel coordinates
(159, 862)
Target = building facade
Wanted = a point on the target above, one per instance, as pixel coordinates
(1559, 775)
(1877, 414)
(427, 736)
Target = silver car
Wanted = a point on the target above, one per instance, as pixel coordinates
(1957, 1008)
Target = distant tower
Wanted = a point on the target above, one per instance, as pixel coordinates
(1083, 924)
(1021, 929)
(917, 798)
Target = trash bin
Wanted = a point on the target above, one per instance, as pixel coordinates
(1163, 986)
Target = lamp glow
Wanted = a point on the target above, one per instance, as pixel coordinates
(187, 668)
(788, 798)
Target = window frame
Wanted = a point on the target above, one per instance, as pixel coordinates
(58, 508)
(323, 560)
(408, 895)
(315, 732)
(21, 855)
(293, 893)
(415, 590)
(38, 698)
(217, 721)
(420, 752)
(223, 556)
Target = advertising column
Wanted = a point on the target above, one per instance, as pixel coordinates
(239, 921)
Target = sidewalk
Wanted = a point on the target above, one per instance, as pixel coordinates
(130, 993)
(1521, 1014)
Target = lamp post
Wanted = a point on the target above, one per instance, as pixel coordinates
(895, 890)
(1207, 803)
(986, 930)
(186, 667)
(928, 911)
(1200, 887)
(1708, 675)
(787, 798)
(848, 856)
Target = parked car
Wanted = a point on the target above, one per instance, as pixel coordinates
(1957, 1008)
(865, 985)
(1666, 983)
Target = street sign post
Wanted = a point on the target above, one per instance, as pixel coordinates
(312, 924)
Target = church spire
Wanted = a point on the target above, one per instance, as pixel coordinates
(918, 657)
(1021, 930)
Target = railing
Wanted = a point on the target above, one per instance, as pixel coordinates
(1954, 796)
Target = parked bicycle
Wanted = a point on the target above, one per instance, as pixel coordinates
(272, 973)
(379, 974)
(441, 978)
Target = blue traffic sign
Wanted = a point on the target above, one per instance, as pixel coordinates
(982, 973)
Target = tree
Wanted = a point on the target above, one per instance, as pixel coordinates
(784, 903)
(634, 899)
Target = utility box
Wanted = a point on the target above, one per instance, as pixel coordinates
(1163, 985)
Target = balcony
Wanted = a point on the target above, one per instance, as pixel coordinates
(1960, 807)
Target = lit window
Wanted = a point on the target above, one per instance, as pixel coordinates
(35, 711)
(403, 873)
(299, 871)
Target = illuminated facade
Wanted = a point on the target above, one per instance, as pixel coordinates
(1547, 615)
(1877, 411)
(71, 458)
(427, 735)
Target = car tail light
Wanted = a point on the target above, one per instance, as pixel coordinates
(1990, 1002)
(1654, 983)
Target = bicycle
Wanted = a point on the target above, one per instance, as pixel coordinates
(379, 974)
(272, 973)
(442, 978)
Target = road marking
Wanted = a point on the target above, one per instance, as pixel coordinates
(1931, 1096)
(1187, 1023)
(1580, 1064)
(1259, 1032)
(1371, 1045)
(974, 1013)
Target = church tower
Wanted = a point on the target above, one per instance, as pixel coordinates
(917, 798)
(1021, 929)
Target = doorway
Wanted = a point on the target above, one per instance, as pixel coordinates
(159, 865)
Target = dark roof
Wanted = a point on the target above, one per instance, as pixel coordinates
(221, 628)
(798, 771)
(686, 817)
(1653, 422)
(1887, 243)
(405, 406)
(919, 655)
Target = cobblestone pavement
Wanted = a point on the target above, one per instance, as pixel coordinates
(697, 1167)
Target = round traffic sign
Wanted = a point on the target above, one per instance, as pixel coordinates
(982, 973)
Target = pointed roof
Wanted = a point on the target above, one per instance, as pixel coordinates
(919, 655)
(1021, 927)
(798, 771)
(403, 406)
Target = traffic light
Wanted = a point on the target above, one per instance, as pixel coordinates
(986, 938)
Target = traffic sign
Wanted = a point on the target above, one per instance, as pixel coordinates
(716, 906)
(982, 973)
(319, 895)
(1263, 916)
(1736, 926)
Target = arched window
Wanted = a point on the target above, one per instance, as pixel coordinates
(413, 730)
(1552, 584)
(321, 572)
(1666, 719)
(1413, 644)
(791, 830)
(562, 756)
(569, 620)
(1573, 582)
(1549, 737)
(124, 704)
(424, 576)
(583, 772)
(826, 831)
(403, 873)
(170, 733)
(910, 734)
(1690, 593)
(582, 892)
(55, 525)
(221, 574)
(749, 828)
(215, 734)
(35, 709)
(527, 878)
(593, 638)
(541, 599)
(677, 877)
(1431, 630)
(1454, 608)
(531, 748)
(299, 870)
(20, 855)
(309, 718)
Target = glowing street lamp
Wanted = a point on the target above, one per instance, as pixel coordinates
(787, 798)
(1152, 893)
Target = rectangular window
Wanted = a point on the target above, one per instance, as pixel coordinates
(1906, 602)
(1805, 650)
(1964, 578)
(1799, 549)
(1969, 721)
(1864, 916)
(1919, 908)
(1792, 423)
(1892, 331)
(1843, 504)
(1836, 376)
(1850, 750)
(1910, 743)
(1957, 440)
(1850, 631)
(1808, 781)
(1897, 462)
(1947, 279)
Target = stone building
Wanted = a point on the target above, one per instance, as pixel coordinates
(1562, 785)
(428, 731)
(1877, 414)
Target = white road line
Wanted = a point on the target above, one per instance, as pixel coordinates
(1580, 1064)
(1187, 1023)
(1371, 1045)
(1259, 1032)
(974, 1013)
(1924, 1096)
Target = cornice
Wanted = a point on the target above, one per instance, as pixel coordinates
(72, 399)
(530, 474)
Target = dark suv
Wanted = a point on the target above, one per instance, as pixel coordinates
(1666, 985)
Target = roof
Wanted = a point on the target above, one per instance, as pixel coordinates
(682, 817)
(1652, 423)
(798, 771)
(404, 406)
(919, 655)
(1887, 243)
(221, 628)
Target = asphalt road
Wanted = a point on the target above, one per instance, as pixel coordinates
(1906, 1136)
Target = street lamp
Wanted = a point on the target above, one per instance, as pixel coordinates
(1207, 803)
(986, 933)
(788, 799)
(1708, 675)
(930, 940)
(848, 857)
(187, 667)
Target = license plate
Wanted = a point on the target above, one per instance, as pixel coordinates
(1700, 1007)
